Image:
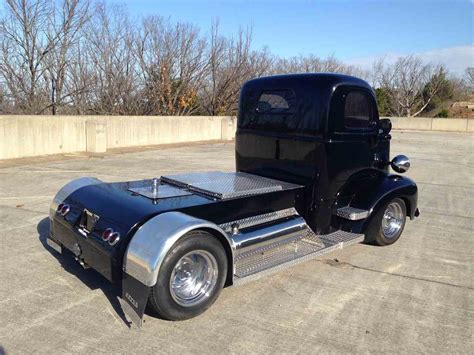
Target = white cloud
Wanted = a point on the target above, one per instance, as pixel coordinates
(456, 59)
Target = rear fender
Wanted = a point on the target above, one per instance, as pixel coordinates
(68, 189)
(148, 249)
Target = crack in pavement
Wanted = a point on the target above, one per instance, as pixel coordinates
(337, 263)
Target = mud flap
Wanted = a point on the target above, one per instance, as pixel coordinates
(134, 299)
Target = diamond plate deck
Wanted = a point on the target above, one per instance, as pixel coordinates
(274, 258)
(225, 186)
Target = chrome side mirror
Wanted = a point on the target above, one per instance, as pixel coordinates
(400, 164)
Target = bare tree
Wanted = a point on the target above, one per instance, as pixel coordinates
(63, 32)
(24, 46)
(59, 56)
(410, 83)
(470, 78)
(313, 64)
(172, 64)
(35, 40)
(109, 64)
(231, 63)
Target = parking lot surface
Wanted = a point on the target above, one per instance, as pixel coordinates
(413, 296)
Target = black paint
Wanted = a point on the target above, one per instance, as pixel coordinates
(335, 166)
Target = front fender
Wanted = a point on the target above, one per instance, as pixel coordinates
(381, 192)
(386, 189)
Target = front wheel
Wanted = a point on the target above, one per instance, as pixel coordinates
(191, 277)
(388, 222)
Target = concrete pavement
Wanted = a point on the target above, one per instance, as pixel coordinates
(414, 296)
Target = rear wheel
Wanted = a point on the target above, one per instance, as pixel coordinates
(191, 277)
(388, 223)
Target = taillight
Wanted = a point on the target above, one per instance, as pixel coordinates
(114, 238)
(107, 233)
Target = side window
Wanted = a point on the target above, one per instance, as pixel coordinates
(357, 110)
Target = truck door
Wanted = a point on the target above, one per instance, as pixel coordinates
(353, 136)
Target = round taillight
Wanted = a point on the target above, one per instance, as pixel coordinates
(107, 233)
(114, 238)
(60, 206)
(65, 209)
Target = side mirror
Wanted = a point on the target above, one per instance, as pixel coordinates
(385, 125)
(400, 164)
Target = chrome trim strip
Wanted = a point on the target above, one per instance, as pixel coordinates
(259, 219)
(154, 239)
(68, 189)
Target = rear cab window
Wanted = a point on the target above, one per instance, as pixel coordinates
(274, 110)
(276, 102)
(282, 110)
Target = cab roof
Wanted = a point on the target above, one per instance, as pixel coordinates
(310, 95)
(317, 80)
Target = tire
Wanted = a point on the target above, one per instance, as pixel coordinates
(197, 253)
(387, 224)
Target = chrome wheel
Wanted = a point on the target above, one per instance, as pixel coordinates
(193, 278)
(393, 220)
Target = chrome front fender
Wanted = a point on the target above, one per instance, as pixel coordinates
(154, 239)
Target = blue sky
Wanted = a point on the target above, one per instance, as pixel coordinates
(355, 31)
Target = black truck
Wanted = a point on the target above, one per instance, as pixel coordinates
(312, 176)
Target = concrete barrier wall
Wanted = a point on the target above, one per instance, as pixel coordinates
(147, 130)
(433, 124)
(28, 136)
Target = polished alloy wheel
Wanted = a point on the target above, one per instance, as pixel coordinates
(393, 220)
(193, 278)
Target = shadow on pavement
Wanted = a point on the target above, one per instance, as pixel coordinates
(89, 277)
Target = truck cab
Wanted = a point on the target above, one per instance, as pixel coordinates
(312, 175)
(321, 131)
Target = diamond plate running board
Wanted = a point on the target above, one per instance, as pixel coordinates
(274, 258)
(352, 213)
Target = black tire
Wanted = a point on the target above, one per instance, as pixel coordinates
(375, 232)
(162, 302)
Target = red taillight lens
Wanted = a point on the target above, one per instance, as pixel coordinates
(107, 233)
(114, 238)
(65, 209)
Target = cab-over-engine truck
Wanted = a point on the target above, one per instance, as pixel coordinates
(312, 176)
